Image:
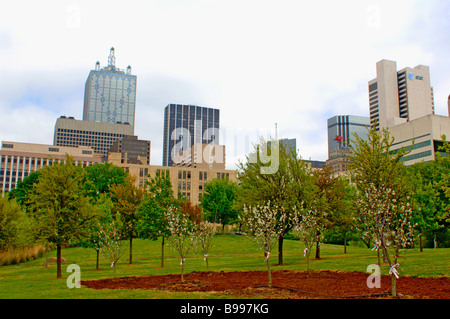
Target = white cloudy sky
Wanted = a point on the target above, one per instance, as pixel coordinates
(294, 63)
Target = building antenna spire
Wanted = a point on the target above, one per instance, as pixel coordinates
(112, 58)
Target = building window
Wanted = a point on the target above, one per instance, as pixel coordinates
(7, 145)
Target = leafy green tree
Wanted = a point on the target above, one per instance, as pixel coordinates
(23, 188)
(127, 198)
(103, 207)
(289, 187)
(101, 176)
(431, 183)
(158, 199)
(59, 207)
(14, 225)
(218, 201)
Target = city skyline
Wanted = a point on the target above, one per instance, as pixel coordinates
(292, 63)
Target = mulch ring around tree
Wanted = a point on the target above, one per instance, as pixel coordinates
(285, 284)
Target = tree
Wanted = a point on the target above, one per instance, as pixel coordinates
(127, 199)
(286, 187)
(15, 226)
(23, 188)
(183, 234)
(264, 224)
(307, 224)
(383, 194)
(101, 176)
(431, 182)
(205, 237)
(157, 200)
(58, 205)
(103, 207)
(111, 243)
(218, 200)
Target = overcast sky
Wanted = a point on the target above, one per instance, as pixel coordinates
(294, 63)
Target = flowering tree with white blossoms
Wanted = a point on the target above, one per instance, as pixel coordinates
(183, 234)
(206, 233)
(383, 195)
(111, 241)
(264, 224)
(306, 226)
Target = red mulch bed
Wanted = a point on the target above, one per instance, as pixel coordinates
(285, 284)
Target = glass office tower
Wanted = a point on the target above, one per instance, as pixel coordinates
(341, 129)
(186, 125)
(110, 94)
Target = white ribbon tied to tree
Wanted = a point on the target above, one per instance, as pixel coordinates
(377, 245)
(182, 261)
(394, 271)
(112, 264)
(205, 256)
(304, 252)
(267, 255)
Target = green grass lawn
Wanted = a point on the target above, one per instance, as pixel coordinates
(229, 253)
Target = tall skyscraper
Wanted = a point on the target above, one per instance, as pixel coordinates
(397, 97)
(341, 129)
(186, 125)
(110, 94)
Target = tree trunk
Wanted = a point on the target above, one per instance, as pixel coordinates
(162, 252)
(46, 253)
(131, 250)
(394, 286)
(58, 261)
(280, 249)
(98, 258)
(269, 274)
(345, 242)
(182, 269)
(420, 243)
(318, 246)
(435, 241)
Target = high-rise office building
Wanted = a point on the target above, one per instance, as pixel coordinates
(396, 97)
(99, 136)
(186, 125)
(341, 129)
(110, 94)
(290, 144)
(132, 150)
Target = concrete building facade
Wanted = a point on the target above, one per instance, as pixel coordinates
(18, 160)
(188, 180)
(132, 149)
(426, 133)
(100, 136)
